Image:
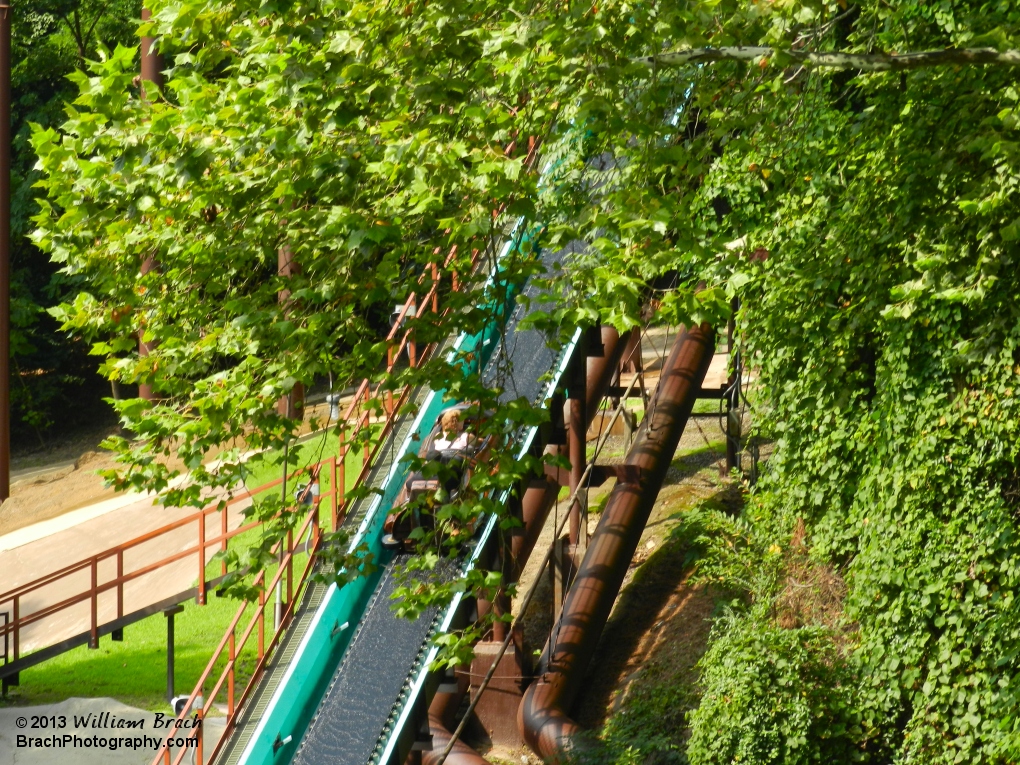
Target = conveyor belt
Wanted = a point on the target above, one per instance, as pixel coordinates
(360, 702)
(310, 601)
(523, 357)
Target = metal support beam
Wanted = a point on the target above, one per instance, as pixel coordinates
(577, 431)
(170, 613)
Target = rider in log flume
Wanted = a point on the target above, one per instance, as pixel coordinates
(451, 451)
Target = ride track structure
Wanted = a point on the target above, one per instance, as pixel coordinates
(373, 698)
(381, 463)
(374, 706)
(377, 665)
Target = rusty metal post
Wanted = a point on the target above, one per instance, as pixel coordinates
(223, 533)
(200, 596)
(412, 346)
(577, 432)
(5, 249)
(262, 623)
(120, 583)
(231, 658)
(290, 566)
(334, 507)
(544, 713)
(199, 758)
(435, 291)
(340, 492)
(151, 72)
(390, 360)
(278, 602)
(94, 629)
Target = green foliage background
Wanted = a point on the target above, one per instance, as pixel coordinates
(867, 221)
(53, 381)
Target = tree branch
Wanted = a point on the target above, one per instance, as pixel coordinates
(875, 62)
(92, 27)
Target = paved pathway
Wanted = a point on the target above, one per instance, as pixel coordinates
(32, 552)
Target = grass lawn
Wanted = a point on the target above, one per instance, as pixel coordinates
(134, 671)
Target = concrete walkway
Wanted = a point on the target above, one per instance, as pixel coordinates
(34, 551)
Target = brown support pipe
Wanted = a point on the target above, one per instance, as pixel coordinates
(537, 501)
(543, 714)
(151, 72)
(5, 250)
(442, 718)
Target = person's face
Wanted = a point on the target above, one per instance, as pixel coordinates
(454, 426)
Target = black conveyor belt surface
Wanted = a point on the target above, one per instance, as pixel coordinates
(368, 682)
(529, 357)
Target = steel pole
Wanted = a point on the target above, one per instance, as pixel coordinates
(5, 250)
(577, 430)
(170, 613)
(152, 72)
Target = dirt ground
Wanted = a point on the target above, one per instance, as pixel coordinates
(47, 483)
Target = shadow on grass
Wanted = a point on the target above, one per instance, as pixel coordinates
(135, 671)
(643, 679)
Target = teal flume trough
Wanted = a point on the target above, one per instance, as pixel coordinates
(279, 732)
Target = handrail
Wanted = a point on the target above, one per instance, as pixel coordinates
(12, 629)
(356, 417)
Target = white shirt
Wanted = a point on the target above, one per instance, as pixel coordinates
(443, 444)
